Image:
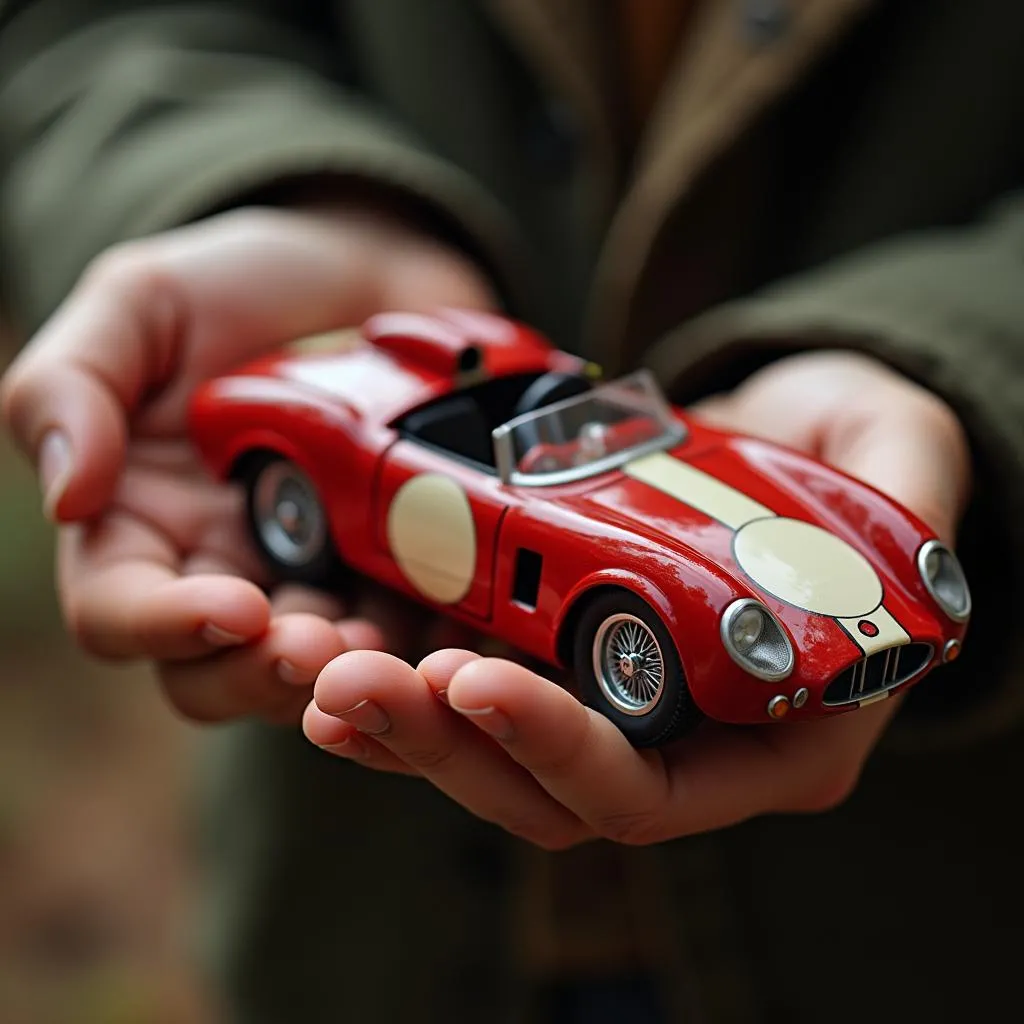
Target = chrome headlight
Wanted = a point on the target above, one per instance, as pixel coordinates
(944, 579)
(755, 641)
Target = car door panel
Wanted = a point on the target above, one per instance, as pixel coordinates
(438, 519)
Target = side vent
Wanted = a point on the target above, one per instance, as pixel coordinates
(526, 578)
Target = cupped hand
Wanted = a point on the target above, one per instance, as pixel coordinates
(520, 751)
(153, 560)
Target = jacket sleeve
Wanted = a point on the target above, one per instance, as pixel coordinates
(119, 119)
(946, 308)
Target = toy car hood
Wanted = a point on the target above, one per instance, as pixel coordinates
(780, 527)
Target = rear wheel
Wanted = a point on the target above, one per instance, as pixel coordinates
(288, 521)
(629, 670)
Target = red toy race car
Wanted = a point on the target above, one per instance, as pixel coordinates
(680, 571)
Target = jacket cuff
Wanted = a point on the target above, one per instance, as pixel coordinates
(965, 362)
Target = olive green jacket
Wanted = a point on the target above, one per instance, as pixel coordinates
(816, 173)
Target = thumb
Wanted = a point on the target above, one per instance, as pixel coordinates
(917, 457)
(863, 418)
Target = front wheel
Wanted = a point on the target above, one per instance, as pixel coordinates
(288, 522)
(629, 670)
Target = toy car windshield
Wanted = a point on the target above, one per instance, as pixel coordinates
(587, 434)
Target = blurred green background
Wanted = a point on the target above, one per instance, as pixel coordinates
(95, 874)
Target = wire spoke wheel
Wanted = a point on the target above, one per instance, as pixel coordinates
(628, 668)
(287, 515)
(629, 664)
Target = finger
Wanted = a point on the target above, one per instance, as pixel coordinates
(272, 678)
(294, 597)
(439, 667)
(714, 778)
(203, 523)
(721, 776)
(577, 755)
(386, 698)
(343, 740)
(138, 606)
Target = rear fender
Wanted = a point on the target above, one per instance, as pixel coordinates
(254, 441)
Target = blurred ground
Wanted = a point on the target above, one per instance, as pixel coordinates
(94, 867)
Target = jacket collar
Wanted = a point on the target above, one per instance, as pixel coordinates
(561, 40)
(735, 59)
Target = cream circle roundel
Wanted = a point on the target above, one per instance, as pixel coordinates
(432, 537)
(808, 567)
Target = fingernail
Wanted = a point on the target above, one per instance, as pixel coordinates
(221, 637)
(54, 469)
(442, 696)
(291, 675)
(490, 719)
(352, 747)
(367, 717)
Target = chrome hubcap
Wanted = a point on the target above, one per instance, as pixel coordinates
(629, 664)
(288, 514)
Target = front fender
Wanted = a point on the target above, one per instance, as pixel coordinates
(688, 604)
(603, 579)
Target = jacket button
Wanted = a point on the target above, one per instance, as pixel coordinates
(764, 21)
(551, 142)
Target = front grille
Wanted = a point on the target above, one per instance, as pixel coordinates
(876, 673)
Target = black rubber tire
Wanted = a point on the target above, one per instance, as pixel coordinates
(674, 714)
(322, 569)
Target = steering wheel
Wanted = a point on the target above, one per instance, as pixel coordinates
(544, 391)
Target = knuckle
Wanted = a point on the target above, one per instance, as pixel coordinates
(116, 266)
(938, 411)
(132, 272)
(15, 394)
(630, 828)
(426, 759)
(23, 391)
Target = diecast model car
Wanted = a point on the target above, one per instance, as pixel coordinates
(678, 570)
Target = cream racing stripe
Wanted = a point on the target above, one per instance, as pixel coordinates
(693, 487)
(890, 632)
(801, 564)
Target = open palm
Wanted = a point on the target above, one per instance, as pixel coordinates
(153, 559)
(521, 751)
